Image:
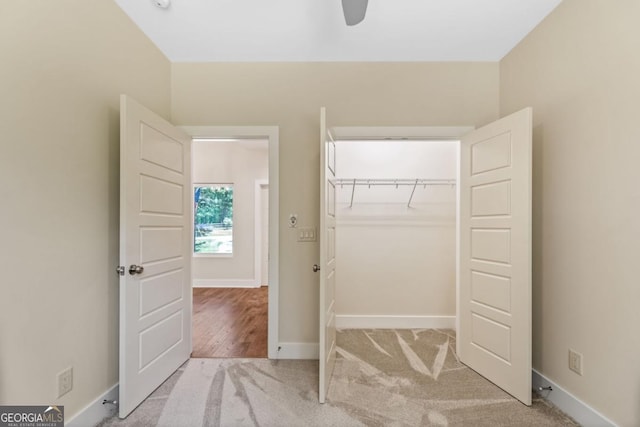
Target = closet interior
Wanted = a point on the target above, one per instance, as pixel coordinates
(395, 233)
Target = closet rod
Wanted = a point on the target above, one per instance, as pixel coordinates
(395, 182)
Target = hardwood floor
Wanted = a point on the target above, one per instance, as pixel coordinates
(230, 322)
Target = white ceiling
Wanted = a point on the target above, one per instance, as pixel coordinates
(315, 30)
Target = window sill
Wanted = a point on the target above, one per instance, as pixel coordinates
(204, 255)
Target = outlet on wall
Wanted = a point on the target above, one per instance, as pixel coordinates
(575, 361)
(65, 381)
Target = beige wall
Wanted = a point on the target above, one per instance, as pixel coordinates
(395, 268)
(580, 71)
(290, 95)
(231, 163)
(64, 65)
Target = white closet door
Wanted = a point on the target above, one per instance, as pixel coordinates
(155, 282)
(327, 258)
(494, 298)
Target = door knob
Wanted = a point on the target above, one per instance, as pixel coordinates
(316, 268)
(135, 269)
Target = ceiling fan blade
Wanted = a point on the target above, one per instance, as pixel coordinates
(354, 10)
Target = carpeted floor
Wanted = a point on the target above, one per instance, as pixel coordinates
(381, 378)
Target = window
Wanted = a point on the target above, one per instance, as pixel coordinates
(213, 219)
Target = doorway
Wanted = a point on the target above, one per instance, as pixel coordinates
(235, 290)
(230, 293)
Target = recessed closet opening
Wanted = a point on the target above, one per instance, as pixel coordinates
(401, 247)
(396, 233)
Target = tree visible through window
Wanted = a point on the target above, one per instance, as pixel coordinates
(213, 219)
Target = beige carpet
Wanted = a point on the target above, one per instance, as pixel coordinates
(381, 378)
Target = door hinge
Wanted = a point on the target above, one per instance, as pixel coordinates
(120, 270)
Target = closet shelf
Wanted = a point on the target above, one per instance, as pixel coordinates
(355, 182)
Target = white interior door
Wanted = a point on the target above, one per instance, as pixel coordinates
(494, 298)
(155, 301)
(327, 258)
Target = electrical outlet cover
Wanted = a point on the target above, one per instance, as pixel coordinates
(575, 361)
(65, 381)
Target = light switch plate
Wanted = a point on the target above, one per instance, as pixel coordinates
(306, 234)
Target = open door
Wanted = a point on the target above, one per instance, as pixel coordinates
(494, 296)
(327, 258)
(155, 279)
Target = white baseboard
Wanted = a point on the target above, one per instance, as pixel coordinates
(569, 404)
(349, 321)
(361, 221)
(299, 350)
(226, 283)
(95, 412)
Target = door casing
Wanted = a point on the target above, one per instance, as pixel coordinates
(260, 186)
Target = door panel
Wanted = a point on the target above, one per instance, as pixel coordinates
(491, 245)
(160, 244)
(159, 196)
(155, 305)
(327, 259)
(491, 199)
(494, 298)
(160, 290)
(491, 290)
